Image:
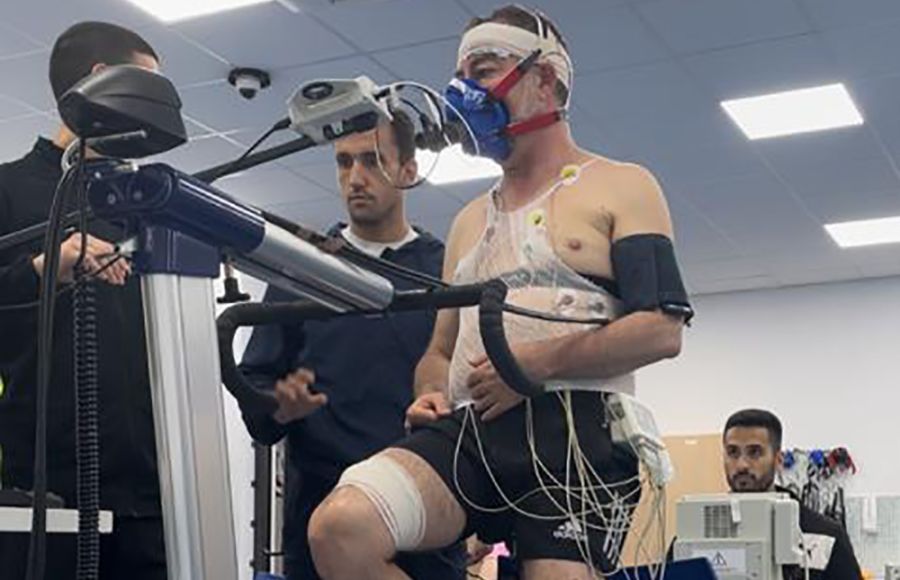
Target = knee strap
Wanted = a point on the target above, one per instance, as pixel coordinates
(395, 495)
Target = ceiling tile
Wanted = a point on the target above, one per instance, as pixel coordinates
(45, 20)
(766, 67)
(601, 37)
(265, 36)
(13, 42)
(854, 205)
(820, 148)
(866, 51)
(32, 86)
(696, 239)
(183, 61)
(10, 109)
(723, 22)
(432, 64)
(366, 25)
(268, 186)
(220, 106)
(555, 9)
(200, 153)
(656, 103)
(840, 178)
(323, 174)
(701, 161)
(844, 14)
(734, 266)
(756, 212)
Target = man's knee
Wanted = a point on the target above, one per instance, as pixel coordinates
(345, 517)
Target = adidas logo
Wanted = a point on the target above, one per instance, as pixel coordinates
(570, 530)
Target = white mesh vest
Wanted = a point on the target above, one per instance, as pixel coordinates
(516, 247)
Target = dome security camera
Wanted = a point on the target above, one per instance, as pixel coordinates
(249, 81)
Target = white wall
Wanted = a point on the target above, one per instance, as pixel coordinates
(825, 358)
(240, 448)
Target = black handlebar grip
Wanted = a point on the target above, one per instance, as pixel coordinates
(496, 345)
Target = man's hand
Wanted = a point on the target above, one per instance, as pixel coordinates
(427, 408)
(98, 254)
(492, 396)
(295, 400)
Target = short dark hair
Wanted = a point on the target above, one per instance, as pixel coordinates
(86, 44)
(758, 418)
(515, 15)
(404, 136)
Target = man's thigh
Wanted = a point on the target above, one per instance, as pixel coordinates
(445, 519)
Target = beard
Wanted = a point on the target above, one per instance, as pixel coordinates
(746, 482)
(529, 102)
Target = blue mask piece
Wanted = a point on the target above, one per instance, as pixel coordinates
(486, 116)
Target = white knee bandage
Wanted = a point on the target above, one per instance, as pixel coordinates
(388, 485)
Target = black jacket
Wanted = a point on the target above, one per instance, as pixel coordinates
(364, 364)
(129, 482)
(842, 564)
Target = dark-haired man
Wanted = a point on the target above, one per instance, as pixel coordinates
(575, 236)
(129, 481)
(344, 385)
(753, 456)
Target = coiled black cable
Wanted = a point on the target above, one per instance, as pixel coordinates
(87, 426)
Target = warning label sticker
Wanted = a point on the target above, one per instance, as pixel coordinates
(727, 561)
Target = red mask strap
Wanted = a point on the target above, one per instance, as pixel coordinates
(515, 75)
(534, 123)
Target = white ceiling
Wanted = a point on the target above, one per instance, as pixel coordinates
(650, 76)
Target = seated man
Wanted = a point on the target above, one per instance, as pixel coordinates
(344, 384)
(583, 240)
(752, 442)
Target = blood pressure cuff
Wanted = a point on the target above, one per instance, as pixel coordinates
(647, 275)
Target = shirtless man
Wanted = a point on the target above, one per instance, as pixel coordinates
(574, 235)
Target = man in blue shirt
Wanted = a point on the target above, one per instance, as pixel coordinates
(344, 385)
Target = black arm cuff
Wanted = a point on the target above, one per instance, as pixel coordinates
(647, 274)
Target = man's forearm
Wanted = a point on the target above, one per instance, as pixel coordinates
(624, 346)
(432, 373)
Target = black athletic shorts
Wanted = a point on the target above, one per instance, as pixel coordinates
(505, 447)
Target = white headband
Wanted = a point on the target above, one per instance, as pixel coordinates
(494, 36)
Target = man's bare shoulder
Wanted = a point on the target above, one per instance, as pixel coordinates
(620, 173)
(632, 195)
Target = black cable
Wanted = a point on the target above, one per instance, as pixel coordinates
(279, 126)
(37, 548)
(87, 426)
(382, 266)
(87, 415)
(67, 289)
(528, 313)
